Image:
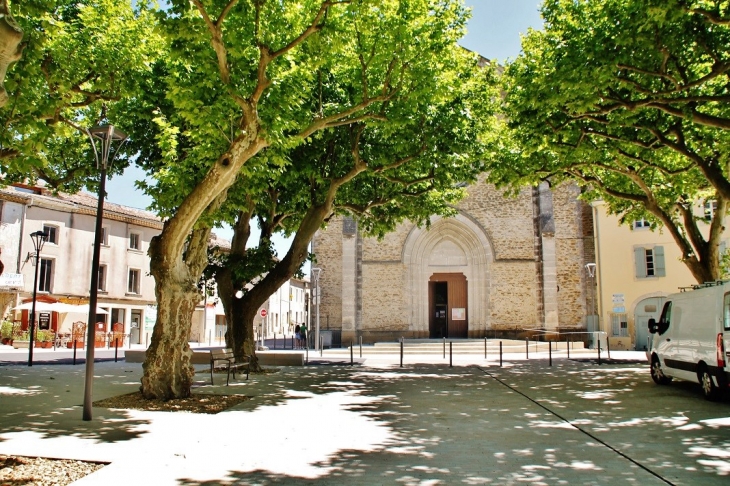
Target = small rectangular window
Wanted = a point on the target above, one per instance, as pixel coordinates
(649, 262)
(45, 276)
(709, 209)
(133, 281)
(641, 223)
(134, 241)
(51, 234)
(105, 236)
(101, 286)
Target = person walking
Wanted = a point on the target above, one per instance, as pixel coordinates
(303, 333)
(298, 336)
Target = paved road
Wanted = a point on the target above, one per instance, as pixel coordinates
(377, 423)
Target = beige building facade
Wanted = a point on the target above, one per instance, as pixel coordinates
(636, 268)
(501, 267)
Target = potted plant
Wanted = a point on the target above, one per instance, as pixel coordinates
(43, 338)
(6, 332)
(21, 340)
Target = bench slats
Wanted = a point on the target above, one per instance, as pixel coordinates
(224, 358)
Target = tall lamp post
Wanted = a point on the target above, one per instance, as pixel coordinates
(102, 138)
(38, 237)
(591, 269)
(315, 272)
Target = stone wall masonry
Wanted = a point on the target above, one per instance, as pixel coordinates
(571, 282)
(327, 246)
(390, 248)
(512, 296)
(385, 298)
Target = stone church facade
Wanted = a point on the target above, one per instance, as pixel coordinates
(501, 267)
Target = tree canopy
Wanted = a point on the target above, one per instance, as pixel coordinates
(80, 61)
(629, 99)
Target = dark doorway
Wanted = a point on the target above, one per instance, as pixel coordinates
(447, 297)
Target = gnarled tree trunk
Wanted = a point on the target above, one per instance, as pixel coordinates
(168, 372)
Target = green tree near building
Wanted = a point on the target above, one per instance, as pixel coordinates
(630, 100)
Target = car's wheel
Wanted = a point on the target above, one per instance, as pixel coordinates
(657, 374)
(709, 389)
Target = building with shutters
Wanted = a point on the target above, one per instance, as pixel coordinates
(500, 267)
(636, 268)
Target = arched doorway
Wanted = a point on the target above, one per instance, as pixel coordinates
(448, 301)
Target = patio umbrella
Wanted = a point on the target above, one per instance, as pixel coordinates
(39, 307)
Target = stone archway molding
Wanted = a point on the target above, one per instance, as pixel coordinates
(473, 241)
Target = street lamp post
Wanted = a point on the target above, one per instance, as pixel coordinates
(315, 272)
(591, 269)
(38, 237)
(102, 140)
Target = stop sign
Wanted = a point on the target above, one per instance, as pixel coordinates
(263, 312)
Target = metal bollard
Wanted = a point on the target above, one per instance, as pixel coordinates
(550, 351)
(116, 348)
(361, 346)
(451, 354)
(321, 345)
(527, 348)
(500, 354)
(599, 351)
(352, 361)
(444, 347)
(568, 348)
(74, 338)
(401, 352)
(608, 347)
(485, 348)
(274, 340)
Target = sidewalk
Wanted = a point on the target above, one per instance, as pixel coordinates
(376, 423)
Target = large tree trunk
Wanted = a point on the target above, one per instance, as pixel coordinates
(10, 48)
(168, 372)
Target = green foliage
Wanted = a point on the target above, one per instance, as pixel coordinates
(625, 98)
(81, 59)
(6, 329)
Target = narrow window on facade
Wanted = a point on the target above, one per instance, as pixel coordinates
(649, 262)
(641, 223)
(105, 236)
(102, 278)
(134, 241)
(133, 281)
(709, 208)
(52, 234)
(45, 275)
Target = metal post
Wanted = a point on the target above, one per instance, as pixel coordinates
(599, 350)
(485, 348)
(352, 360)
(500, 354)
(527, 348)
(38, 238)
(550, 351)
(361, 346)
(608, 347)
(116, 348)
(451, 354)
(401, 352)
(568, 348)
(274, 340)
(444, 347)
(210, 337)
(74, 338)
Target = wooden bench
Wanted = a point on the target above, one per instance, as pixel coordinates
(224, 359)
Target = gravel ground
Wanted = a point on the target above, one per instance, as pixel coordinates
(38, 471)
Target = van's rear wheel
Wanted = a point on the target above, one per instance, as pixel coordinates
(657, 374)
(709, 389)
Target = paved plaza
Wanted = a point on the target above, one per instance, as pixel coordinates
(427, 423)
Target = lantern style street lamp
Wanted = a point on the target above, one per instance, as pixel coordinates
(315, 272)
(591, 270)
(103, 139)
(39, 238)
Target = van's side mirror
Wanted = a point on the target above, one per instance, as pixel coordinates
(652, 325)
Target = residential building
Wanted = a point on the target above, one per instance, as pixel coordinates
(636, 268)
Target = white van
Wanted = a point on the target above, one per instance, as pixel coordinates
(691, 338)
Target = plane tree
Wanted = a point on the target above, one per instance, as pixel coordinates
(80, 61)
(243, 77)
(412, 166)
(629, 100)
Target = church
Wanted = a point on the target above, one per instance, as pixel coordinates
(501, 268)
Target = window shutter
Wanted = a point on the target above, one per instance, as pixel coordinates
(640, 262)
(659, 269)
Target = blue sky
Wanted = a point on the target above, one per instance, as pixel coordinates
(493, 31)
